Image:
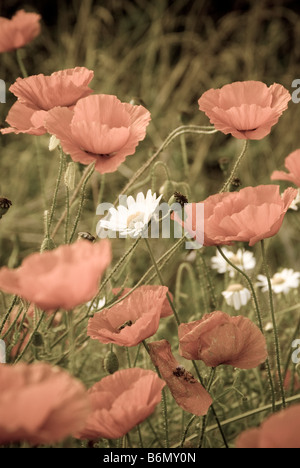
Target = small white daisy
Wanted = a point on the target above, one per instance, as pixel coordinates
(294, 205)
(236, 295)
(243, 259)
(133, 219)
(2, 352)
(281, 282)
(97, 305)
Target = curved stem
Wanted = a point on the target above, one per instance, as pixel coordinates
(259, 319)
(235, 167)
(175, 133)
(275, 331)
(73, 198)
(161, 280)
(58, 180)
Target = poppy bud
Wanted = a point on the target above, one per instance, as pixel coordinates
(48, 244)
(111, 363)
(70, 175)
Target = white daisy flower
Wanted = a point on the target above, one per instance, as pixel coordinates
(2, 352)
(295, 202)
(133, 219)
(281, 282)
(243, 259)
(236, 295)
(97, 305)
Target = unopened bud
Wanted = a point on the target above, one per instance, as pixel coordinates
(70, 175)
(111, 363)
(48, 244)
(53, 143)
(37, 340)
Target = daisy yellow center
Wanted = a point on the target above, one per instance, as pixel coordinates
(235, 287)
(236, 260)
(134, 217)
(277, 280)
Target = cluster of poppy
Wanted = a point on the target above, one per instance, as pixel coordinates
(43, 404)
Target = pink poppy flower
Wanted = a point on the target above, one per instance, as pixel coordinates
(38, 94)
(292, 163)
(186, 390)
(40, 404)
(166, 310)
(246, 109)
(131, 321)
(120, 402)
(250, 215)
(19, 31)
(219, 339)
(61, 278)
(99, 129)
(281, 430)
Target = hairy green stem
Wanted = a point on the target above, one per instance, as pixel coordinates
(235, 167)
(275, 331)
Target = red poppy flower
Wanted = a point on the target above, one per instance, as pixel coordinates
(281, 430)
(250, 215)
(120, 402)
(19, 31)
(61, 278)
(246, 109)
(219, 339)
(40, 404)
(38, 94)
(292, 163)
(131, 321)
(186, 390)
(166, 310)
(99, 129)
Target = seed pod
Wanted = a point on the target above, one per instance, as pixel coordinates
(111, 363)
(70, 176)
(5, 204)
(37, 340)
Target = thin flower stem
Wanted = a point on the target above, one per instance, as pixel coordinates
(13, 303)
(40, 168)
(71, 335)
(204, 423)
(184, 156)
(174, 134)
(275, 331)
(21, 63)
(259, 320)
(67, 215)
(59, 176)
(164, 401)
(137, 355)
(161, 280)
(81, 202)
(186, 430)
(128, 357)
(73, 198)
(140, 436)
(235, 167)
(31, 338)
(242, 416)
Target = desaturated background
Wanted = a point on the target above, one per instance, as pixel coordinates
(166, 54)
